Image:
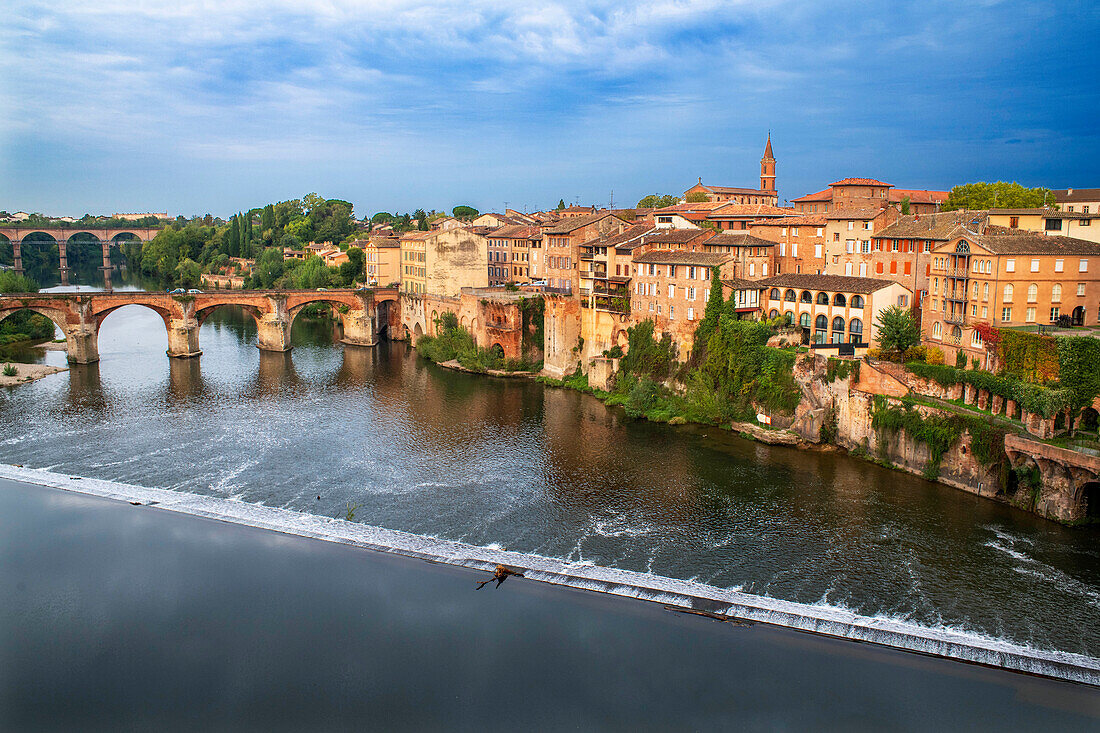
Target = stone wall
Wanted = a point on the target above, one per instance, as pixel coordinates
(562, 343)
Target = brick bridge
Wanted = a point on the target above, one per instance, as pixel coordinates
(105, 236)
(364, 314)
(1070, 480)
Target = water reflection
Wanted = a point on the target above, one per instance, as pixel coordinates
(185, 382)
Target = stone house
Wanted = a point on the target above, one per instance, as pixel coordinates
(562, 242)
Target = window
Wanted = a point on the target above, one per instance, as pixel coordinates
(1030, 315)
(1058, 265)
(691, 314)
(985, 291)
(1010, 265)
(823, 299)
(672, 270)
(975, 296)
(894, 245)
(1008, 293)
(863, 269)
(672, 313)
(671, 291)
(1080, 290)
(752, 269)
(836, 236)
(937, 330)
(804, 320)
(1032, 293)
(848, 268)
(839, 300)
(975, 339)
(782, 249)
(817, 251)
(927, 247)
(691, 293)
(1014, 222)
(1006, 315)
(974, 310)
(903, 301)
(1054, 313)
(774, 294)
(865, 246)
(849, 245)
(1034, 265)
(935, 285)
(783, 232)
(851, 225)
(806, 297)
(691, 274)
(1083, 266)
(1054, 225)
(985, 312)
(1056, 293)
(857, 301)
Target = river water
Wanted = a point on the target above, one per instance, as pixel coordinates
(513, 464)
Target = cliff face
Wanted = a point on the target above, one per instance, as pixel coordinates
(845, 412)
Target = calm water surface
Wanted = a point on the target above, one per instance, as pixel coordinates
(511, 463)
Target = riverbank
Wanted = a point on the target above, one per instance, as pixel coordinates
(456, 366)
(26, 373)
(689, 595)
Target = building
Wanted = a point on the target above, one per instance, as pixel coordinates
(832, 309)
(902, 251)
(740, 217)
(799, 242)
(868, 192)
(134, 217)
(562, 242)
(510, 254)
(1078, 200)
(1080, 224)
(671, 288)
(766, 194)
(382, 260)
(1007, 280)
(455, 259)
(750, 258)
(414, 260)
(848, 231)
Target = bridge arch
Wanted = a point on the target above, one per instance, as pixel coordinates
(202, 314)
(58, 317)
(101, 315)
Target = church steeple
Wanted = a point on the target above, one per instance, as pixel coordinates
(767, 167)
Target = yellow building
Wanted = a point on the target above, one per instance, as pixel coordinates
(1078, 224)
(1008, 280)
(414, 262)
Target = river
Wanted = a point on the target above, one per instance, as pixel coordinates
(406, 445)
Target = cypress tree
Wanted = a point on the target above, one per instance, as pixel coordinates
(711, 314)
(234, 238)
(267, 218)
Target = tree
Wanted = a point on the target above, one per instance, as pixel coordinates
(697, 197)
(1078, 370)
(713, 311)
(312, 201)
(353, 269)
(269, 267)
(1000, 195)
(267, 218)
(382, 217)
(464, 212)
(561, 204)
(10, 282)
(188, 273)
(656, 201)
(905, 206)
(233, 248)
(897, 329)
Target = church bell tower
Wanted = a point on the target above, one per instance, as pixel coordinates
(767, 168)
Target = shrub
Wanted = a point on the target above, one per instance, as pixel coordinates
(960, 359)
(934, 356)
(10, 371)
(916, 353)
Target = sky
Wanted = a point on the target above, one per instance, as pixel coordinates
(215, 106)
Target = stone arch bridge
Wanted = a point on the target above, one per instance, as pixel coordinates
(363, 313)
(1069, 488)
(105, 236)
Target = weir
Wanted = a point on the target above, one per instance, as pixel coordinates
(684, 594)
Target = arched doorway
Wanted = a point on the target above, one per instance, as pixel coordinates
(1089, 421)
(1077, 318)
(1090, 497)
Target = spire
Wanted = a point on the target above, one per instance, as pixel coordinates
(768, 147)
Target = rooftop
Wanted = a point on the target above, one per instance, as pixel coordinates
(730, 211)
(1073, 195)
(565, 226)
(859, 182)
(831, 283)
(1038, 244)
(725, 239)
(681, 257)
(932, 226)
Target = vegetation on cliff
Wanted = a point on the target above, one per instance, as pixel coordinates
(454, 343)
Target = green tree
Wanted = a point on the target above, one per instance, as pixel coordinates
(1000, 195)
(267, 218)
(905, 206)
(464, 212)
(382, 217)
(311, 274)
(897, 329)
(656, 201)
(311, 202)
(561, 204)
(713, 311)
(352, 270)
(11, 282)
(697, 197)
(1079, 370)
(234, 240)
(188, 273)
(269, 268)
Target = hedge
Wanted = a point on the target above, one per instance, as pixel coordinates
(1033, 398)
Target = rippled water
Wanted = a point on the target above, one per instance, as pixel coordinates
(524, 467)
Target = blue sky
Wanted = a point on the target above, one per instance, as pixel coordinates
(196, 107)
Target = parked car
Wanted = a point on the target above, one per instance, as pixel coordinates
(194, 290)
(322, 290)
(178, 291)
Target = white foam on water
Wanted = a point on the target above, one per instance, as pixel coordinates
(825, 619)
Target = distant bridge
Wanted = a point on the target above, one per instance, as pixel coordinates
(363, 313)
(106, 236)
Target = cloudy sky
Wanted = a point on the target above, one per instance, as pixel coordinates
(213, 106)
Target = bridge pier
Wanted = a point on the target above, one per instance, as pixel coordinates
(64, 259)
(16, 245)
(273, 332)
(359, 328)
(82, 344)
(183, 338)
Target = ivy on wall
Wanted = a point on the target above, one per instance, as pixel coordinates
(1028, 356)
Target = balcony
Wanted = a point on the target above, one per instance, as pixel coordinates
(587, 257)
(958, 319)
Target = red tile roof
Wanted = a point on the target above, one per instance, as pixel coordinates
(859, 182)
(826, 195)
(917, 196)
